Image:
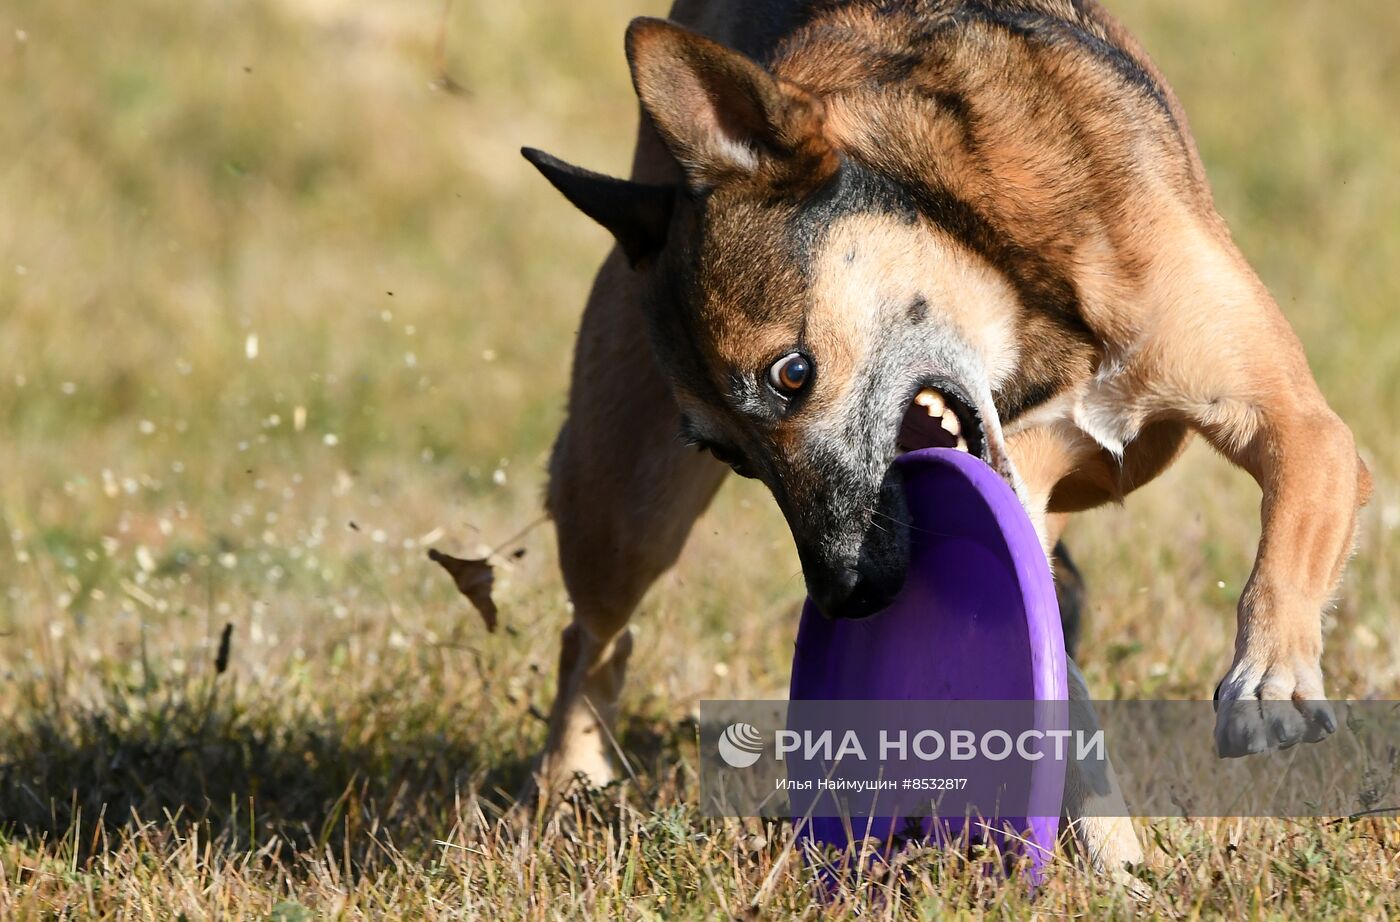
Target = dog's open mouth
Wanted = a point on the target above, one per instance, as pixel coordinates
(938, 417)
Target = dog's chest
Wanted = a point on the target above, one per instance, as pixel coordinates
(1101, 408)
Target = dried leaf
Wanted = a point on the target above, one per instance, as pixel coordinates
(474, 579)
(221, 658)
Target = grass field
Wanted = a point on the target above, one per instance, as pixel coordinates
(280, 306)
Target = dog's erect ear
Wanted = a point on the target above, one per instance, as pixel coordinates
(636, 214)
(719, 112)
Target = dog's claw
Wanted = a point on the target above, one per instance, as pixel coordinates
(1274, 707)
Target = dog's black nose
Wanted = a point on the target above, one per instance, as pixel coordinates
(851, 594)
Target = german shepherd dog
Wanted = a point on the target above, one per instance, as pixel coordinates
(860, 227)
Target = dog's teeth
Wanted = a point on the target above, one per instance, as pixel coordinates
(962, 444)
(951, 424)
(930, 400)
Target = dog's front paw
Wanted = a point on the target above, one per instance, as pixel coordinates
(1271, 703)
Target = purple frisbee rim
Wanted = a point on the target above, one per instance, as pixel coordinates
(965, 519)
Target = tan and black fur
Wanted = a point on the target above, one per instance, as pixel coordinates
(997, 198)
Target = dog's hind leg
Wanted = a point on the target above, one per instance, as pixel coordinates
(623, 494)
(1070, 593)
(1069, 582)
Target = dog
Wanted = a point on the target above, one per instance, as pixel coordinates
(860, 227)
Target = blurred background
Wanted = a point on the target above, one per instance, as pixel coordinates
(281, 306)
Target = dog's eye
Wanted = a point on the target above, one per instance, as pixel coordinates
(790, 373)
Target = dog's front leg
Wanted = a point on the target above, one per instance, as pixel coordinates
(1093, 806)
(1313, 482)
(623, 493)
(1220, 356)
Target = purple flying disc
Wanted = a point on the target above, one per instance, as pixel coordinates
(977, 620)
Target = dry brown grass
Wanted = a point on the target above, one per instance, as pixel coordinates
(181, 180)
